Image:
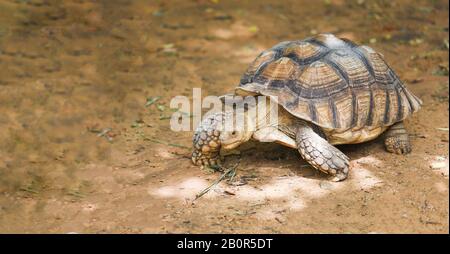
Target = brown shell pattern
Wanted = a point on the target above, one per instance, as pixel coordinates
(331, 82)
(319, 74)
(301, 50)
(281, 69)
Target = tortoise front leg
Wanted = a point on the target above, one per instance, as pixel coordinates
(397, 139)
(321, 154)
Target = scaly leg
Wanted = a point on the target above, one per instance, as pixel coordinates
(321, 154)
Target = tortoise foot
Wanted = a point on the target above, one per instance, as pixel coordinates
(397, 139)
(398, 144)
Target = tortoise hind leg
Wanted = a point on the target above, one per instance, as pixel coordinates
(397, 139)
(321, 154)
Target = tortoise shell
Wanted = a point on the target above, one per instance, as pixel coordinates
(331, 82)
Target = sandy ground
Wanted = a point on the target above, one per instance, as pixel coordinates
(71, 71)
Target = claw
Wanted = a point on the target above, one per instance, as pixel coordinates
(339, 177)
(212, 162)
(205, 162)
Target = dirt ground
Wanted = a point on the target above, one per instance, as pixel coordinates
(80, 151)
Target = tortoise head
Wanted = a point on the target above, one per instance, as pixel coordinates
(219, 131)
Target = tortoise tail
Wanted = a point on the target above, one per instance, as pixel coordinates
(414, 102)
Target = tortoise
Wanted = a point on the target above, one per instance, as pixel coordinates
(329, 91)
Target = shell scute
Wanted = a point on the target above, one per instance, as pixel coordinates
(355, 69)
(303, 52)
(319, 74)
(281, 69)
